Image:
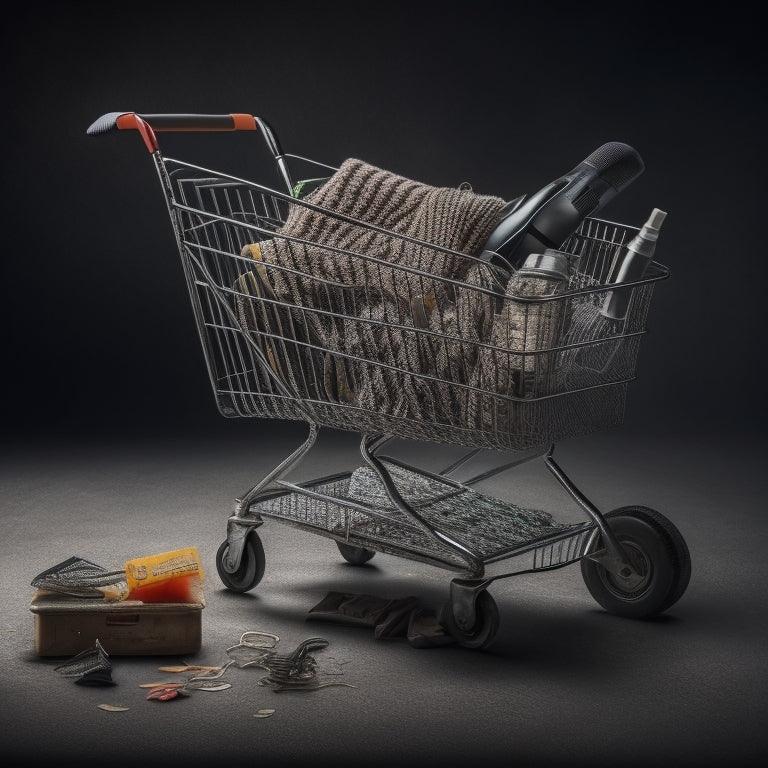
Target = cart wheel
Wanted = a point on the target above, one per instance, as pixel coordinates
(354, 555)
(251, 569)
(486, 622)
(659, 554)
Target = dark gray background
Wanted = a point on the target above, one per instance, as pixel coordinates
(98, 335)
(112, 445)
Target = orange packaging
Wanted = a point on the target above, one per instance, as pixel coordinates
(170, 577)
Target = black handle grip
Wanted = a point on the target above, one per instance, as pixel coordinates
(174, 122)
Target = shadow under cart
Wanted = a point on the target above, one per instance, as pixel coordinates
(633, 560)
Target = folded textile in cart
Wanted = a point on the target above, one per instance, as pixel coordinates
(454, 218)
(376, 315)
(334, 291)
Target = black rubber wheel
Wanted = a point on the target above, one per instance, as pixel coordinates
(656, 550)
(354, 555)
(486, 622)
(251, 569)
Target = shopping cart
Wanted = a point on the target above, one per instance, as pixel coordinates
(317, 312)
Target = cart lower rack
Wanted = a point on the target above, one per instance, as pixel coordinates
(355, 300)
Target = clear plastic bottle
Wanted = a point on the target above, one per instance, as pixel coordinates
(529, 325)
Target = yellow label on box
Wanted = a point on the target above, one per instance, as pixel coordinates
(143, 571)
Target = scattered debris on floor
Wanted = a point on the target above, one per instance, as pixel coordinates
(205, 679)
(189, 668)
(294, 671)
(89, 667)
(166, 693)
(390, 618)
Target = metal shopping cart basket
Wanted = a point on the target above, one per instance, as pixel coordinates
(308, 308)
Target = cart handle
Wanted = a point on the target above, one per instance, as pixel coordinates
(148, 125)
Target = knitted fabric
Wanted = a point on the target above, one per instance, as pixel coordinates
(363, 295)
(456, 219)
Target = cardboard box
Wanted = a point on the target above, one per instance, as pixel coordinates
(65, 626)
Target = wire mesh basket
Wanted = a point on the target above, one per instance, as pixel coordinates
(439, 348)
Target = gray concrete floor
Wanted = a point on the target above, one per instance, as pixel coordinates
(563, 682)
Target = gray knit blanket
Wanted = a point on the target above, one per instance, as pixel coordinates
(366, 313)
(456, 219)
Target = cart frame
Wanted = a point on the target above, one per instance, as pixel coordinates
(634, 560)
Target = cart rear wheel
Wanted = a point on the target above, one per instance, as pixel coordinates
(251, 569)
(354, 555)
(658, 553)
(485, 627)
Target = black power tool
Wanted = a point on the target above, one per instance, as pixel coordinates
(532, 223)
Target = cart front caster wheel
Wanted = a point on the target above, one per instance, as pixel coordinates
(354, 555)
(251, 569)
(657, 552)
(485, 627)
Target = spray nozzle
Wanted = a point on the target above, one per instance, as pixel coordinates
(650, 230)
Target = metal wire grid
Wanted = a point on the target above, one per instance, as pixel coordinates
(356, 508)
(277, 355)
